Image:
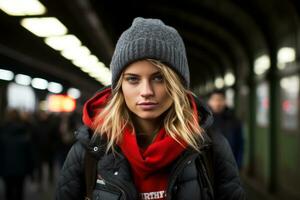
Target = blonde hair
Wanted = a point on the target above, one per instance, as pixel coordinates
(180, 121)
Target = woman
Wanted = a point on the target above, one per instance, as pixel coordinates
(150, 126)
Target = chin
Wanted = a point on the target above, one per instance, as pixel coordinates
(149, 116)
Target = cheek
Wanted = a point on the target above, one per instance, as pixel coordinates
(166, 98)
(128, 94)
(169, 102)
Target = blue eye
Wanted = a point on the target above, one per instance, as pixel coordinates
(132, 79)
(158, 78)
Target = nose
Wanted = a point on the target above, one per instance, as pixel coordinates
(146, 89)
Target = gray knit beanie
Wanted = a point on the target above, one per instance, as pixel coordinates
(150, 38)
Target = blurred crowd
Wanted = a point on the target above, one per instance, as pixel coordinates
(30, 141)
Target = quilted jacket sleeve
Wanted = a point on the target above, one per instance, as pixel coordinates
(227, 182)
(71, 181)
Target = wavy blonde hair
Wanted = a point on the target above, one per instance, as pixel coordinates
(179, 121)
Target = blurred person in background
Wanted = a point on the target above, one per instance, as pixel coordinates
(68, 124)
(46, 132)
(147, 132)
(228, 124)
(16, 154)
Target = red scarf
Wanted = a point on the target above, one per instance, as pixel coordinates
(151, 166)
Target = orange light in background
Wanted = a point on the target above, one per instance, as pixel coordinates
(61, 103)
(69, 104)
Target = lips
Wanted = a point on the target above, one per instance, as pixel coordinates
(147, 105)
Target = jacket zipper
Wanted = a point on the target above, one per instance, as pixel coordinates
(120, 187)
(180, 166)
(184, 161)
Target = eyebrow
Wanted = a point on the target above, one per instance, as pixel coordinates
(132, 74)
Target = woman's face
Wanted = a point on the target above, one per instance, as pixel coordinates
(144, 90)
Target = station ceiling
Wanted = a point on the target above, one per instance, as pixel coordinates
(220, 35)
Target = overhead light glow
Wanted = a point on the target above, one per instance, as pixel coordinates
(219, 83)
(102, 74)
(20, 97)
(23, 79)
(89, 60)
(6, 75)
(63, 42)
(285, 55)
(104, 80)
(290, 84)
(261, 64)
(55, 87)
(44, 26)
(22, 7)
(229, 79)
(73, 92)
(96, 70)
(75, 53)
(39, 83)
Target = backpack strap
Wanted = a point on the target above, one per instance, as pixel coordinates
(90, 165)
(90, 173)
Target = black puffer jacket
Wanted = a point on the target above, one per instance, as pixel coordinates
(115, 181)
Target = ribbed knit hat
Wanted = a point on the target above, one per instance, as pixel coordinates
(150, 38)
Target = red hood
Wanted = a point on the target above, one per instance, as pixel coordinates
(97, 102)
(94, 105)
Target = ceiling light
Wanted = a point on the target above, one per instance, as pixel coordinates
(6, 75)
(86, 62)
(75, 53)
(219, 83)
(96, 70)
(229, 79)
(73, 92)
(23, 79)
(55, 87)
(20, 97)
(63, 42)
(44, 26)
(86, 68)
(290, 84)
(89, 60)
(21, 7)
(285, 55)
(104, 78)
(261, 64)
(100, 69)
(39, 83)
